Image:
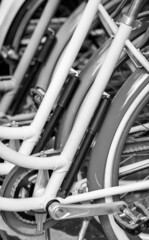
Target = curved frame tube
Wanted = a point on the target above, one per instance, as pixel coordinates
(23, 65)
(34, 203)
(60, 164)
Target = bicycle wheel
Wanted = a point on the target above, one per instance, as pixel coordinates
(124, 133)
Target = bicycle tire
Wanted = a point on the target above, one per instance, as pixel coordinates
(104, 164)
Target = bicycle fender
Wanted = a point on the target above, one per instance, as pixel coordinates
(62, 38)
(121, 101)
(7, 15)
(87, 77)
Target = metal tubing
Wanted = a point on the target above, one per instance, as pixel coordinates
(6, 86)
(134, 9)
(81, 124)
(53, 163)
(25, 132)
(90, 104)
(134, 167)
(107, 192)
(5, 168)
(137, 54)
(96, 91)
(29, 52)
(26, 204)
(63, 101)
(94, 125)
(63, 70)
(22, 204)
(21, 117)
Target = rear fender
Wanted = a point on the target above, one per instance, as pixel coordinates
(98, 158)
(7, 15)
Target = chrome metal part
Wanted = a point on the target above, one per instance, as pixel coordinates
(83, 230)
(131, 22)
(133, 59)
(60, 211)
(72, 71)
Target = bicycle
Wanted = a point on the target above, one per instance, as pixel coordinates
(11, 40)
(57, 207)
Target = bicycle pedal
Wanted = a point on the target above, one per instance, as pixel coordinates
(134, 220)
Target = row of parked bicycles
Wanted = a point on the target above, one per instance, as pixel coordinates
(74, 114)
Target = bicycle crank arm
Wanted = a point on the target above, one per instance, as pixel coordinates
(61, 212)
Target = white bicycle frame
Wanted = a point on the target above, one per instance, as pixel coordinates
(30, 134)
(10, 87)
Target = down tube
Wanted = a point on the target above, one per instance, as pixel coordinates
(62, 71)
(92, 99)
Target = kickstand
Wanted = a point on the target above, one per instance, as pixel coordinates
(84, 227)
(47, 234)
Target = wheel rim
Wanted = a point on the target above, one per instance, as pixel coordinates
(111, 156)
